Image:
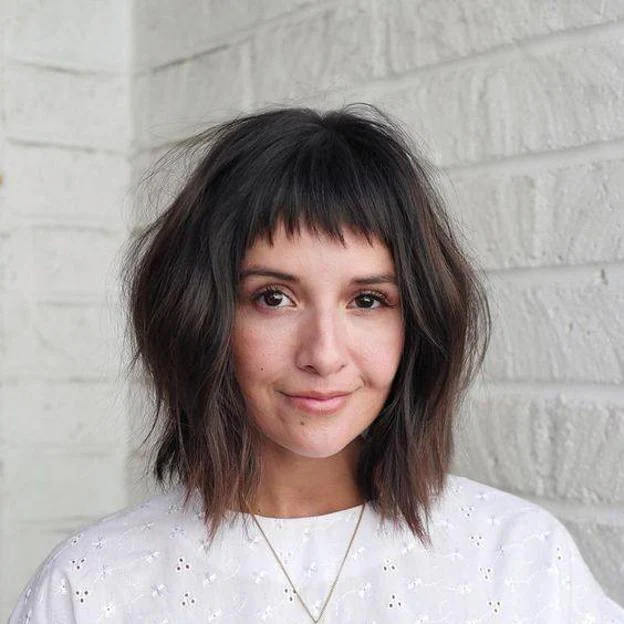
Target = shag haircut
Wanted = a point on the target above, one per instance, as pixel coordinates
(353, 169)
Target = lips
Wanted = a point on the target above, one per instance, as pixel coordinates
(318, 403)
(320, 396)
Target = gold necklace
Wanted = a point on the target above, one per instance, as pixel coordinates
(333, 585)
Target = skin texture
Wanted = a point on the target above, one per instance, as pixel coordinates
(314, 331)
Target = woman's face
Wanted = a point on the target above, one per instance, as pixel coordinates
(317, 339)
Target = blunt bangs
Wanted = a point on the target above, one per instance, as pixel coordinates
(303, 169)
(324, 184)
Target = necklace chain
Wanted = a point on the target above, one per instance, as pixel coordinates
(333, 585)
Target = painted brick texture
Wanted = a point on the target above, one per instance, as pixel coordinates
(63, 212)
(549, 216)
(428, 32)
(562, 316)
(519, 103)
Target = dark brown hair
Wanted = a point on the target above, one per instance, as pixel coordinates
(351, 168)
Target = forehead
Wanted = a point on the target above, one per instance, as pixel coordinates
(313, 252)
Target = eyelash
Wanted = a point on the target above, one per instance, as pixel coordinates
(378, 296)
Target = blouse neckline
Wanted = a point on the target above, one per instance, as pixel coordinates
(322, 518)
(297, 525)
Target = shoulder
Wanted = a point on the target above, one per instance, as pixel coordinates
(110, 551)
(470, 499)
(129, 532)
(496, 537)
(483, 516)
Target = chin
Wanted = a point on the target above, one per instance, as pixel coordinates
(316, 453)
(310, 440)
(317, 449)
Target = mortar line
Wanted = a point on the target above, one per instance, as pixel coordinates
(516, 50)
(235, 37)
(23, 378)
(549, 390)
(534, 162)
(588, 271)
(69, 69)
(41, 220)
(39, 144)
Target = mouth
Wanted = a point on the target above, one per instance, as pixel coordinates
(317, 403)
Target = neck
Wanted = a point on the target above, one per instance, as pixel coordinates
(293, 486)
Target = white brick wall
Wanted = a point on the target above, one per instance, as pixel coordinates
(64, 199)
(543, 211)
(518, 101)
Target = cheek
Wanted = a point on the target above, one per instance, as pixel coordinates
(380, 354)
(257, 352)
(245, 352)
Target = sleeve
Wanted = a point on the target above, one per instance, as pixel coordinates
(47, 599)
(586, 600)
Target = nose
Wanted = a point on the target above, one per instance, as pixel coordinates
(322, 343)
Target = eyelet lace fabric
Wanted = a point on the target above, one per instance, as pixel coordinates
(493, 558)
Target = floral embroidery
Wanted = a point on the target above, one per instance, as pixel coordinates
(78, 563)
(81, 595)
(486, 573)
(188, 599)
(495, 605)
(394, 601)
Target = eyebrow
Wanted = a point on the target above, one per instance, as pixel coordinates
(368, 280)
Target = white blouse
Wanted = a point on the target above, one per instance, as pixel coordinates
(493, 558)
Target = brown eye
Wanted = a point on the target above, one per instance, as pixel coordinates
(368, 301)
(271, 298)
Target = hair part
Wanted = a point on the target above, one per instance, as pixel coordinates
(352, 168)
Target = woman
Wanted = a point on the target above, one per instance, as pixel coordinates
(308, 323)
